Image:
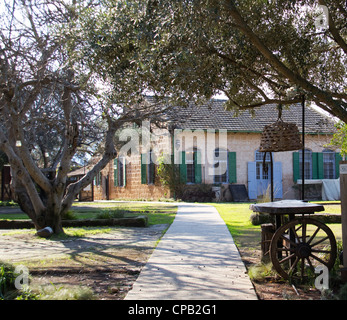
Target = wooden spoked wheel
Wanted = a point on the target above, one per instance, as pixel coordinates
(300, 245)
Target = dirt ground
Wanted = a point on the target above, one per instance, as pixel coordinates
(274, 288)
(109, 263)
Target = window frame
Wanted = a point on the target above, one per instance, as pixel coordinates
(329, 170)
(222, 178)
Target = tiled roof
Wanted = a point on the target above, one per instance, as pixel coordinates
(214, 116)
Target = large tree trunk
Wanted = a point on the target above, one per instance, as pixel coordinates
(51, 216)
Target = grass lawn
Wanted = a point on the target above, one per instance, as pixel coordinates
(248, 236)
(236, 217)
(157, 213)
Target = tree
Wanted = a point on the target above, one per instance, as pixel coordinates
(256, 52)
(53, 106)
(339, 139)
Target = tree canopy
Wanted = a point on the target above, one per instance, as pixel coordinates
(54, 105)
(73, 72)
(255, 51)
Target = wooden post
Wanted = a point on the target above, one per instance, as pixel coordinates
(343, 193)
(267, 231)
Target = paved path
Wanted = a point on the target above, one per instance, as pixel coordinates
(196, 259)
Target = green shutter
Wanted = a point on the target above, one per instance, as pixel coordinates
(317, 165)
(143, 169)
(115, 172)
(183, 168)
(338, 158)
(296, 166)
(232, 167)
(197, 165)
(314, 165)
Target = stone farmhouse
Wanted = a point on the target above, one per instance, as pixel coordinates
(218, 148)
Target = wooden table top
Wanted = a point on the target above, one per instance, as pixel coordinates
(287, 207)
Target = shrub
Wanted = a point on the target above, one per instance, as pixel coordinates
(260, 218)
(69, 215)
(7, 279)
(343, 292)
(8, 290)
(112, 213)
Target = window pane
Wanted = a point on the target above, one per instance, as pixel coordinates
(120, 173)
(190, 173)
(220, 166)
(329, 164)
(263, 172)
(308, 164)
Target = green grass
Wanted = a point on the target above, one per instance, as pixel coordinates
(157, 213)
(236, 216)
(246, 235)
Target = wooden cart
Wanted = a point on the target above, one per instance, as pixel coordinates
(299, 245)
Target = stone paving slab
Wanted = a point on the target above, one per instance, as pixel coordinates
(196, 259)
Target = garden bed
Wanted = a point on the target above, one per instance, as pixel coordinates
(140, 221)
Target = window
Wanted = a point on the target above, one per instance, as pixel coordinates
(190, 163)
(308, 164)
(150, 168)
(190, 168)
(220, 166)
(262, 170)
(328, 164)
(97, 179)
(119, 179)
(147, 168)
(318, 165)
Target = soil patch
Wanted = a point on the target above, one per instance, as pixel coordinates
(108, 263)
(274, 288)
(140, 221)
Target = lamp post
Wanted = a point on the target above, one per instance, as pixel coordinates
(303, 149)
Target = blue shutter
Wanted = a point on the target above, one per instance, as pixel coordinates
(252, 180)
(278, 188)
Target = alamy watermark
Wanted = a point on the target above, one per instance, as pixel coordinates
(322, 280)
(211, 145)
(22, 279)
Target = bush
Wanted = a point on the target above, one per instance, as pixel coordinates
(343, 292)
(198, 193)
(112, 213)
(260, 218)
(7, 279)
(69, 215)
(260, 271)
(8, 290)
(53, 292)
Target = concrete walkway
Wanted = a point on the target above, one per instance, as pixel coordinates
(195, 260)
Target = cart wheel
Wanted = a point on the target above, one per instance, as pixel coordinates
(300, 245)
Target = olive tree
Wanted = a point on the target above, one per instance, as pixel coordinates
(54, 105)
